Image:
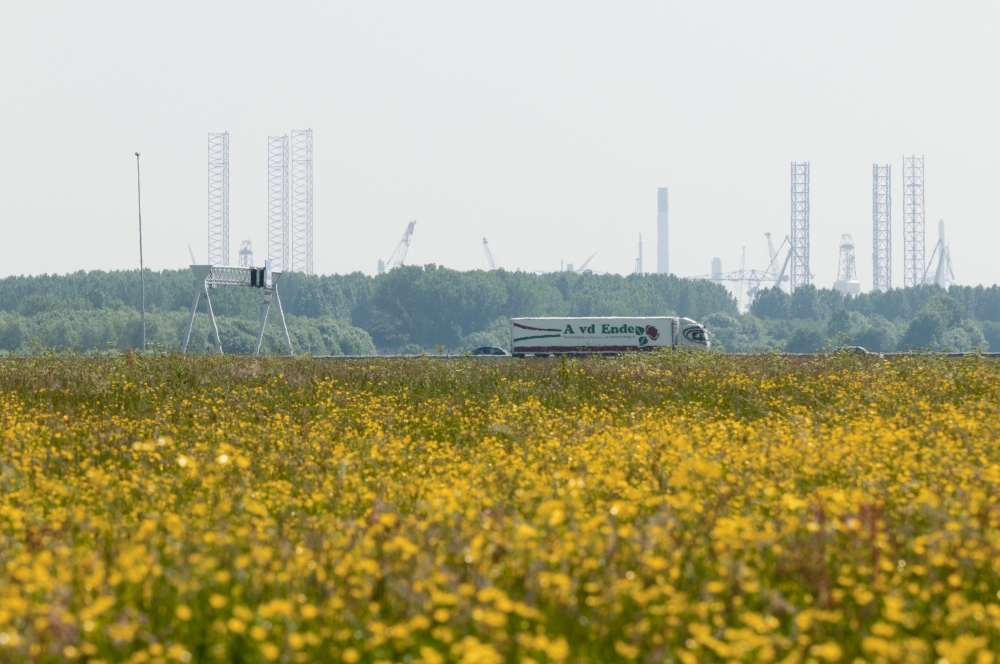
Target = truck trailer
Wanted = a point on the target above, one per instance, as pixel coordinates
(545, 336)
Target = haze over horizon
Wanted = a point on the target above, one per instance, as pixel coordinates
(545, 128)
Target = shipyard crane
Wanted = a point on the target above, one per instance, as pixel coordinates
(770, 252)
(753, 279)
(571, 268)
(740, 278)
(772, 273)
(784, 268)
(943, 276)
(398, 254)
(585, 263)
(489, 255)
(743, 280)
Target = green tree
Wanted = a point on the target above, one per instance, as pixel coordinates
(879, 335)
(614, 295)
(771, 303)
(11, 335)
(963, 338)
(839, 324)
(431, 305)
(807, 338)
(805, 303)
(935, 316)
(739, 334)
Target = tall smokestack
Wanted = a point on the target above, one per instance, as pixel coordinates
(662, 236)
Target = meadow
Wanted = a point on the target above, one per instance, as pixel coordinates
(665, 508)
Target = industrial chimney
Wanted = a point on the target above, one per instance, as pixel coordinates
(662, 236)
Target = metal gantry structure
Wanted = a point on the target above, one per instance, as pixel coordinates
(301, 241)
(277, 202)
(638, 258)
(208, 277)
(881, 227)
(218, 198)
(914, 227)
(799, 236)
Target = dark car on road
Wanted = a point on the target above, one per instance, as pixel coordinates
(490, 350)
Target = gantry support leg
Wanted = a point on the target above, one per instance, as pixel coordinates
(211, 317)
(194, 308)
(281, 312)
(263, 320)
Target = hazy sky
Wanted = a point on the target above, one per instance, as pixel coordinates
(545, 127)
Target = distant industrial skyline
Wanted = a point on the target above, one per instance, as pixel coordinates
(546, 129)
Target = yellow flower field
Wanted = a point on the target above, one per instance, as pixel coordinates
(664, 508)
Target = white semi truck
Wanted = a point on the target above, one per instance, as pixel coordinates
(542, 336)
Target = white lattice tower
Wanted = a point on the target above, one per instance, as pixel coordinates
(913, 220)
(846, 269)
(277, 202)
(800, 226)
(218, 198)
(881, 227)
(302, 201)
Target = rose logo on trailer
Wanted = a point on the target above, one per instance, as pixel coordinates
(652, 332)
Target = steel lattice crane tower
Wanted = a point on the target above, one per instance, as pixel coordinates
(301, 258)
(772, 273)
(488, 255)
(846, 269)
(943, 276)
(800, 226)
(398, 254)
(847, 274)
(246, 254)
(218, 198)
(913, 220)
(881, 227)
(277, 203)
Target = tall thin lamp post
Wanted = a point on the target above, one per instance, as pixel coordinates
(142, 277)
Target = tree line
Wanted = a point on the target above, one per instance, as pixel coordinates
(960, 318)
(412, 308)
(407, 309)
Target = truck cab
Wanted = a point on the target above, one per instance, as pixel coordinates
(687, 332)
